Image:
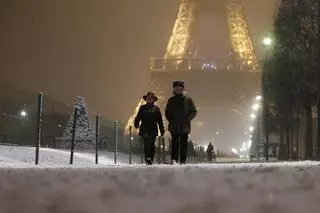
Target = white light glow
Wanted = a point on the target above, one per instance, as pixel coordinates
(267, 41)
(23, 113)
(253, 116)
(255, 107)
(234, 151)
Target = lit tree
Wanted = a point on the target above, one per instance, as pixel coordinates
(84, 130)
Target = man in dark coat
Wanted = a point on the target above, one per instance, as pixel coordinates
(150, 117)
(180, 110)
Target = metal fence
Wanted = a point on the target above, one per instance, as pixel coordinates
(36, 123)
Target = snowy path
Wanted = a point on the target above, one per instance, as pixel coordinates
(220, 188)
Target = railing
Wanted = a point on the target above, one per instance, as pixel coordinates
(203, 64)
(36, 129)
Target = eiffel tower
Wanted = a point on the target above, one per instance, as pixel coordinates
(230, 82)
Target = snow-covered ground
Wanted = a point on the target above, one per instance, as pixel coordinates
(56, 187)
(15, 156)
(217, 188)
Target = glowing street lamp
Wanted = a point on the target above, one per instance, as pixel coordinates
(258, 98)
(23, 113)
(255, 107)
(234, 151)
(251, 128)
(267, 41)
(253, 116)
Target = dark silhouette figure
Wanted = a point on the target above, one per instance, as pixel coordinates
(150, 117)
(191, 150)
(180, 110)
(210, 152)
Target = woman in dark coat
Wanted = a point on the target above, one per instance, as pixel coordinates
(148, 120)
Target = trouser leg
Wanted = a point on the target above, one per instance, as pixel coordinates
(183, 148)
(174, 148)
(149, 147)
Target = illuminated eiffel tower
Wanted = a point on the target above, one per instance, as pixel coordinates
(232, 82)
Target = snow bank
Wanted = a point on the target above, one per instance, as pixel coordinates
(15, 156)
(220, 188)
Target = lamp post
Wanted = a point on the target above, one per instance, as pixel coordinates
(256, 108)
(268, 43)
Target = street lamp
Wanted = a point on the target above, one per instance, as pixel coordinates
(234, 151)
(267, 41)
(255, 107)
(251, 128)
(253, 116)
(23, 113)
(258, 98)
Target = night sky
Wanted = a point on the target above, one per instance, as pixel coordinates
(100, 49)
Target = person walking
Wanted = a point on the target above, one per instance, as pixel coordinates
(180, 110)
(149, 121)
(210, 151)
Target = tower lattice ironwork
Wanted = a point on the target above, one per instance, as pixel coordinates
(179, 43)
(239, 35)
(179, 46)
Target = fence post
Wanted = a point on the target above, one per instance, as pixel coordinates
(75, 117)
(97, 137)
(38, 134)
(116, 134)
(54, 143)
(130, 146)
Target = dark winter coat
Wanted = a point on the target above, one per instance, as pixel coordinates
(180, 110)
(150, 117)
